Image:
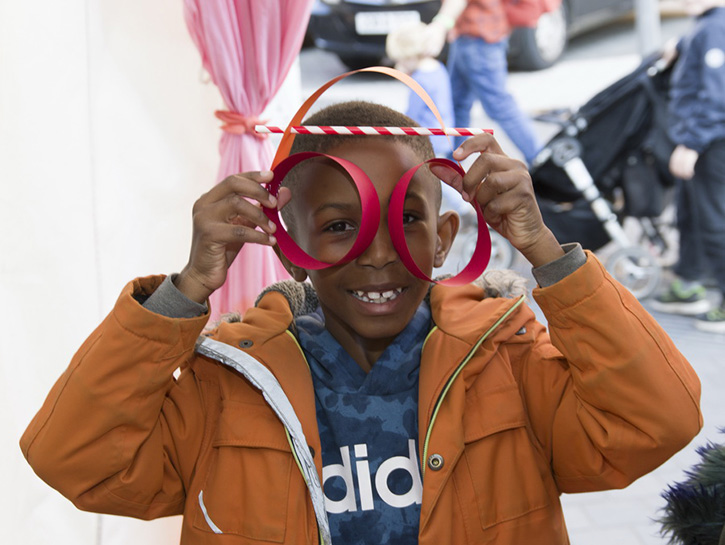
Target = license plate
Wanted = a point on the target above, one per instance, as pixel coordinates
(368, 23)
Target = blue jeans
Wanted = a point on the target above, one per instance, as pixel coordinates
(478, 70)
(701, 218)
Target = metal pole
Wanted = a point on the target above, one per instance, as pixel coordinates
(647, 23)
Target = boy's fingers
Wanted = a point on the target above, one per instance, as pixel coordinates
(238, 210)
(233, 210)
(449, 177)
(237, 235)
(284, 196)
(247, 184)
(505, 182)
(482, 143)
(498, 189)
(503, 206)
(484, 167)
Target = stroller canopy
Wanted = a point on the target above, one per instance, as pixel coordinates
(627, 116)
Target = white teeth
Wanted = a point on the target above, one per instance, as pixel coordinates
(376, 296)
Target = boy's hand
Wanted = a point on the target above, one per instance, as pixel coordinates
(225, 218)
(502, 186)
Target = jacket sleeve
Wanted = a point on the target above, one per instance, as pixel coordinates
(118, 433)
(609, 396)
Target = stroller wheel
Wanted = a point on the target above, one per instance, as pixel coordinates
(502, 253)
(636, 269)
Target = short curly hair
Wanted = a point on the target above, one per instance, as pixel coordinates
(359, 112)
(355, 113)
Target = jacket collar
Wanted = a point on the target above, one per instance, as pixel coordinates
(451, 307)
(461, 316)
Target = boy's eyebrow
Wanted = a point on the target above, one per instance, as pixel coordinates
(336, 205)
(416, 194)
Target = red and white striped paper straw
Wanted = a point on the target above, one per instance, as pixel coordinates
(385, 131)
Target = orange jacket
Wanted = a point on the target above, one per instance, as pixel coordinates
(509, 417)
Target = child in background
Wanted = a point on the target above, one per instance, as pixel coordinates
(477, 32)
(367, 406)
(407, 46)
(697, 127)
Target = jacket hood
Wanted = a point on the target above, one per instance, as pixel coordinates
(452, 307)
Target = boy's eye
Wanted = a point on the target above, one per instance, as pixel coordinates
(409, 217)
(339, 227)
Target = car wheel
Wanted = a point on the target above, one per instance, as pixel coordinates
(355, 62)
(539, 47)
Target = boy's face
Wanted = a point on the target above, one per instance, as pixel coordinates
(371, 299)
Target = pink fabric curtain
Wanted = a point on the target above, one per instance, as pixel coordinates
(247, 47)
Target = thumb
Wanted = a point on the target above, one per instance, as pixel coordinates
(450, 177)
(284, 196)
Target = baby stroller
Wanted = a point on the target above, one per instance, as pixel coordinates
(609, 162)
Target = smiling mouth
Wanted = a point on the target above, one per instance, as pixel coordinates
(377, 297)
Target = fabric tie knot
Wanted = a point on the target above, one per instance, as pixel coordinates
(236, 123)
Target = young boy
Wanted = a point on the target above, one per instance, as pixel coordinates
(697, 126)
(431, 415)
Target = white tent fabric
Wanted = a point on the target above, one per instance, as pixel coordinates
(106, 139)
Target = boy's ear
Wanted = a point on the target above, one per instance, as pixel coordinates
(297, 273)
(448, 224)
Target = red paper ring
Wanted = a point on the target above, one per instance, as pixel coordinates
(369, 220)
(482, 253)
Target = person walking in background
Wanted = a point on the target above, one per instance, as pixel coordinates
(697, 127)
(407, 46)
(478, 67)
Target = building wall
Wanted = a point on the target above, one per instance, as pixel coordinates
(107, 137)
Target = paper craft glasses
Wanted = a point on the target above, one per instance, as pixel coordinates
(370, 206)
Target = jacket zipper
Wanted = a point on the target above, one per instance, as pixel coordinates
(455, 374)
(289, 439)
(441, 397)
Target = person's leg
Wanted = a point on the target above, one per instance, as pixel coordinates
(710, 183)
(461, 94)
(686, 295)
(691, 261)
(487, 71)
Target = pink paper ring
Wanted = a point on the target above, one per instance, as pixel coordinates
(481, 255)
(369, 220)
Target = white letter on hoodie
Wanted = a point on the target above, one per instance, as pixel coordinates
(343, 470)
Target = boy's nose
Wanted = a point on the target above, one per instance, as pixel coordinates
(381, 251)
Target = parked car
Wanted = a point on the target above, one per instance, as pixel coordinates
(355, 30)
(541, 46)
